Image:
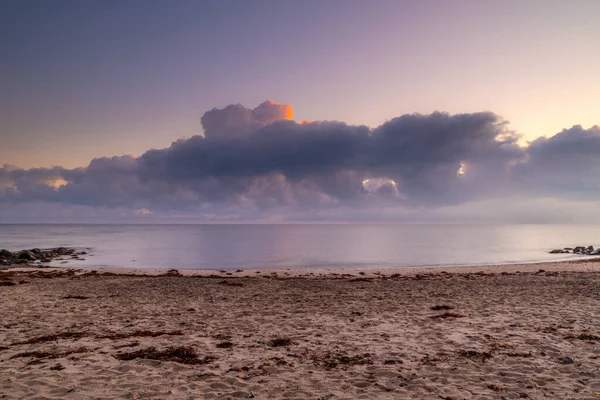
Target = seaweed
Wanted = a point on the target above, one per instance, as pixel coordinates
(583, 336)
(139, 333)
(278, 342)
(228, 283)
(475, 354)
(330, 360)
(515, 354)
(53, 337)
(181, 354)
(442, 307)
(131, 344)
(46, 354)
(447, 314)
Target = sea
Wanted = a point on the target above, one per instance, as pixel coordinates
(304, 246)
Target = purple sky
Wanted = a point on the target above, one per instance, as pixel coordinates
(87, 79)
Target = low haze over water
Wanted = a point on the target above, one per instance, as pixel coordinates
(301, 246)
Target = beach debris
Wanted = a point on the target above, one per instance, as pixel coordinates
(172, 272)
(112, 336)
(250, 395)
(53, 337)
(495, 388)
(326, 397)
(224, 345)
(483, 356)
(46, 354)
(393, 362)
(279, 342)
(57, 367)
(447, 314)
(179, 354)
(330, 360)
(139, 333)
(131, 344)
(516, 354)
(583, 336)
(442, 307)
(229, 283)
(75, 297)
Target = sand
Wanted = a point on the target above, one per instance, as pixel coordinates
(521, 331)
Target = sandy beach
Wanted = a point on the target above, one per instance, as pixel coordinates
(498, 332)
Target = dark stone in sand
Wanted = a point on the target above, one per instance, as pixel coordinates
(566, 360)
(26, 255)
(558, 251)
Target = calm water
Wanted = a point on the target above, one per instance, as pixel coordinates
(301, 246)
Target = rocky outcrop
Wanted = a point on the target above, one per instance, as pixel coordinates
(28, 257)
(581, 250)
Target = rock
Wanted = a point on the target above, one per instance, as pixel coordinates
(36, 251)
(61, 251)
(589, 249)
(578, 249)
(26, 255)
(568, 248)
(557, 251)
(6, 254)
(566, 360)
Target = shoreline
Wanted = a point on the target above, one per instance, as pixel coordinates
(513, 332)
(591, 264)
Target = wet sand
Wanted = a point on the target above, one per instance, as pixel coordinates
(521, 331)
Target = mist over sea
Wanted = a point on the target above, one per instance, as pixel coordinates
(301, 246)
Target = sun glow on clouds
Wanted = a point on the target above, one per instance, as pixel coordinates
(57, 183)
(373, 185)
(462, 169)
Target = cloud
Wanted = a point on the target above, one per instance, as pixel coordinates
(257, 163)
(236, 121)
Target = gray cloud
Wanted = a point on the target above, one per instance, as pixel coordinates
(255, 164)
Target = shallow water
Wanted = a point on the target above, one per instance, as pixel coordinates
(302, 246)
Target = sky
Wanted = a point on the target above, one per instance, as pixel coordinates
(201, 110)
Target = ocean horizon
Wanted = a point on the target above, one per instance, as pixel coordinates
(301, 245)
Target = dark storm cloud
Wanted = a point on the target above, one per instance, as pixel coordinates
(254, 162)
